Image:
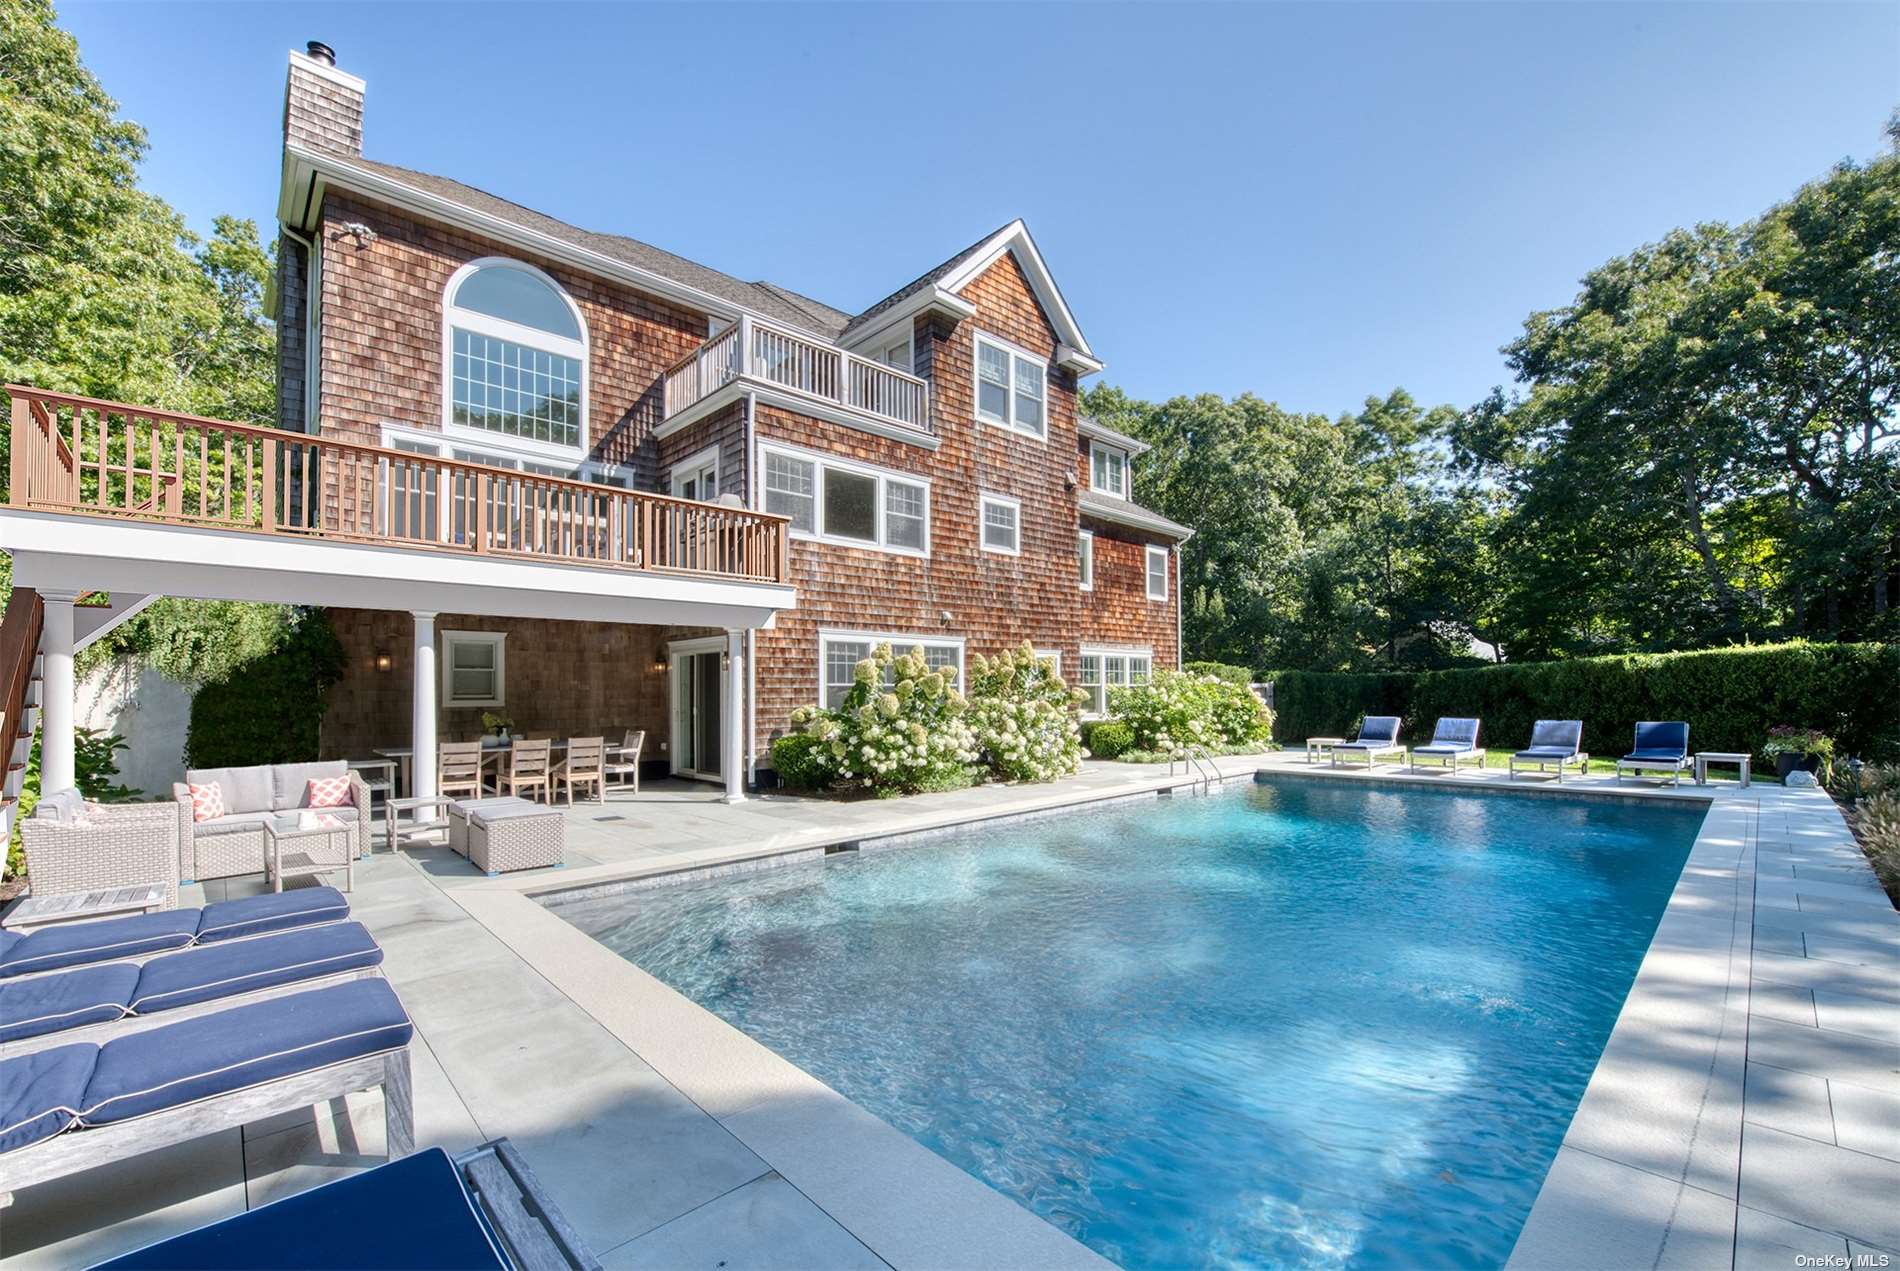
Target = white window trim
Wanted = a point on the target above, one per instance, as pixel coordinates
(976, 385)
(692, 464)
(983, 501)
(532, 337)
(600, 472)
(1087, 553)
(1148, 572)
(823, 461)
(1126, 474)
(901, 642)
(499, 640)
(1108, 651)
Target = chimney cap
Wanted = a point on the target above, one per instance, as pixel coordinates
(318, 51)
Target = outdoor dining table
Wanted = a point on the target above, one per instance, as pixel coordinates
(495, 754)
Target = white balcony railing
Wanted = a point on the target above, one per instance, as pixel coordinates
(755, 350)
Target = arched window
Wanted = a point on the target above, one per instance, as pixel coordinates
(516, 356)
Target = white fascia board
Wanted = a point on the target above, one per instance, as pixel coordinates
(54, 552)
(1014, 237)
(1133, 515)
(905, 312)
(797, 403)
(302, 165)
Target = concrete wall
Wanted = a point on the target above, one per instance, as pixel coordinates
(151, 711)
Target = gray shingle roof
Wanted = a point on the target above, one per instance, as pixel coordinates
(779, 303)
(919, 283)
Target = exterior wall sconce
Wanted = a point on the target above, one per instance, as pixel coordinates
(383, 661)
(659, 661)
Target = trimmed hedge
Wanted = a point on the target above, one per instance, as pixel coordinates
(1221, 671)
(269, 709)
(1731, 697)
(1107, 738)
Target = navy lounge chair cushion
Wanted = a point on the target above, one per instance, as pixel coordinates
(412, 1213)
(1450, 737)
(1547, 752)
(1555, 735)
(1374, 730)
(71, 999)
(226, 969)
(41, 1093)
(1660, 740)
(244, 1046)
(275, 911)
(74, 943)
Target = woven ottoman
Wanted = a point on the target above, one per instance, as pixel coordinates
(500, 835)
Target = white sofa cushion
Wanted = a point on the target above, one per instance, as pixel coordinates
(245, 789)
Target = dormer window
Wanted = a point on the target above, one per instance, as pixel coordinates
(1012, 386)
(1108, 470)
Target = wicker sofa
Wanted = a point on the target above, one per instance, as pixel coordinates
(72, 845)
(234, 843)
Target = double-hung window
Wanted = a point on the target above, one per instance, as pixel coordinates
(1002, 525)
(1108, 471)
(1085, 558)
(1012, 387)
(847, 503)
(1157, 573)
(1104, 669)
(840, 652)
(473, 668)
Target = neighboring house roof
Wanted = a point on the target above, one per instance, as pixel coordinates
(1089, 426)
(1106, 507)
(780, 303)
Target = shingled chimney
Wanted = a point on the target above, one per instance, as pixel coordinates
(323, 107)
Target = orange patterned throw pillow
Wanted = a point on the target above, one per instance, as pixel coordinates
(328, 792)
(207, 801)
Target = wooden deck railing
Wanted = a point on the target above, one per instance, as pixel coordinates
(775, 355)
(78, 454)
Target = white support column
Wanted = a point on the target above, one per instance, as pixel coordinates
(733, 726)
(57, 768)
(422, 711)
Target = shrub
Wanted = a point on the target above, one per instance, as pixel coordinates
(1176, 708)
(900, 730)
(268, 709)
(1108, 738)
(1222, 671)
(1877, 819)
(1731, 697)
(1023, 715)
(796, 761)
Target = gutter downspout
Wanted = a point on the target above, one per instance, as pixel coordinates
(751, 634)
(1180, 590)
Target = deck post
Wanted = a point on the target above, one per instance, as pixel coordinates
(733, 725)
(422, 713)
(58, 770)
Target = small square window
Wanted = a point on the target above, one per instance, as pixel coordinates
(791, 490)
(1157, 573)
(474, 668)
(1108, 471)
(904, 515)
(1002, 525)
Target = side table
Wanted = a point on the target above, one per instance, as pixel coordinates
(1318, 747)
(1706, 757)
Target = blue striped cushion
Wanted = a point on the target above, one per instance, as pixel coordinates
(241, 1047)
(227, 969)
(71, 999)
(40, 1094)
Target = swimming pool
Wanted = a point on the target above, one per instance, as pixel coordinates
(1302, 1022)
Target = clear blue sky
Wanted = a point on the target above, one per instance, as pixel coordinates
(1311, 202)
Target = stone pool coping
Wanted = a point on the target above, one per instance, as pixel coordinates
(1648, 1173)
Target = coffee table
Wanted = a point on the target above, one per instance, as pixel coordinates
(77, 906)
(295, 850)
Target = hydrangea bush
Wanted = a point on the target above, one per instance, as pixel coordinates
(901, 729)
(1177, 709)
(1024, 717)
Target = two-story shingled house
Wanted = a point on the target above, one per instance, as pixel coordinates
(940, 486)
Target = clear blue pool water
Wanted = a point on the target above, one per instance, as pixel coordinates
(1295, 1024)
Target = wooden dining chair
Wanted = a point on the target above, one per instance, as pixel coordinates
(528, 769)
(458, 769)
(624, 761)
(584, 765)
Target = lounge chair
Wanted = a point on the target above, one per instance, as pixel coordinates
(1452, 740)
(142, 936)
(1378, 735)
(428, 1212)
(1554, 743)
(111, 999)
(1661, 746)
(78, 1106)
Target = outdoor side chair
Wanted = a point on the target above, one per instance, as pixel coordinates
(1555, 743)
(1378, 735)
(584, 765)
(458, 769)
(623, 761)
(529, 768)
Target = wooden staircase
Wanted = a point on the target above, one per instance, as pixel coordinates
(20, 688)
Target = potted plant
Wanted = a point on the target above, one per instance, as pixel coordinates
(497, 723)
(1798, 750)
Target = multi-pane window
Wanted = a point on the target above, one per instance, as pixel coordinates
(473, 668)
(1104, 669)
(840, 655)
(1085, 558)
(1011, 387)
(516, 358)
(847, 503)
(1108, 471)
(791, 490)
(1157, 573)
(1002, 525)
